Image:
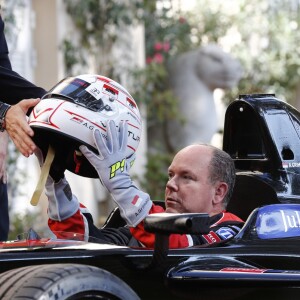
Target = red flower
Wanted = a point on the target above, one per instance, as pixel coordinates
(166, 46)
(158, 58)
(158, 46)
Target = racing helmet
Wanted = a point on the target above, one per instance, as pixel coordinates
(67, 115)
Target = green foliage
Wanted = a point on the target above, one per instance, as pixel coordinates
(21, 222)
(264, 35)
(98, 24)
(167, 35)
(156, 176)
(16, 176)
(100, 20)
(167, 32)
(266, 42)
(71, 56)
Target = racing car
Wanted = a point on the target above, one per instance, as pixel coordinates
(262, 135)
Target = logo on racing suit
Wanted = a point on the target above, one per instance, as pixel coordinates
(225, 233)
(212, 237)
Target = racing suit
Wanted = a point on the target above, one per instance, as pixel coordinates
(223, 226)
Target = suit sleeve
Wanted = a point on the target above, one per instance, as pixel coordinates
(226, 226)
(13, 87)
(81, 222)
(147, 239)
(4, 59)
(67, 215)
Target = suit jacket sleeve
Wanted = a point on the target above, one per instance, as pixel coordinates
(13, 87)
(4, 59)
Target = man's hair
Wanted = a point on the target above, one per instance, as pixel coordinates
(222, 168)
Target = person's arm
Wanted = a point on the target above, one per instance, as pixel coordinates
(223, 226)
(3, 154)
(14, 87)
(67, 215)
(4, 59)
(112, 167)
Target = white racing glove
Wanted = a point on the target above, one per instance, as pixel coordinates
(111, 166)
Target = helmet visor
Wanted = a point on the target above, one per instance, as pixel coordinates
(79, 92)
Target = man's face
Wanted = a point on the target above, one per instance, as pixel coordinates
(189, 189)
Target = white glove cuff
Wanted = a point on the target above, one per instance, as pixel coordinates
(133, 203)
(62, 203)
(136, 216)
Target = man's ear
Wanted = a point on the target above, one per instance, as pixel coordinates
(221, 189)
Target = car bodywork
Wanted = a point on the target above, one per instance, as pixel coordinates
(262, 135)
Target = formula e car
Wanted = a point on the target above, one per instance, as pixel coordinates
(262, 135)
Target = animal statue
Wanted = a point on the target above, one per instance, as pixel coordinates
(194, 76)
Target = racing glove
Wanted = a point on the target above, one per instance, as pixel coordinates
(112, 167)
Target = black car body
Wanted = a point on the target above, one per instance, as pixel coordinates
(262, 135)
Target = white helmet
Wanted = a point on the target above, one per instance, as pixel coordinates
(68, 113)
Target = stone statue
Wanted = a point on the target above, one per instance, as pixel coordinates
(194, 76)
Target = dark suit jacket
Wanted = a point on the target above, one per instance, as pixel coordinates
(4, 60)
(13, 87)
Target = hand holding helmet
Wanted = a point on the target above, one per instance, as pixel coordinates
(72, 109)
(111, 165)
(75, 112)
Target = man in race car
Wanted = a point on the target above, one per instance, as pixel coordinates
(201, 180)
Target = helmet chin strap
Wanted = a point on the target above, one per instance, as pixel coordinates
(43, 177)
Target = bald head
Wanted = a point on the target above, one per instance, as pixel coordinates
(196, 155)
(201, 180)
